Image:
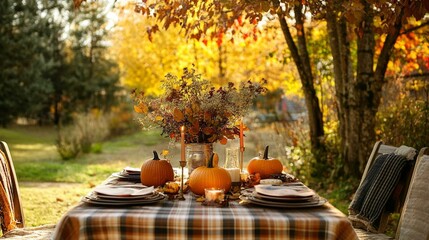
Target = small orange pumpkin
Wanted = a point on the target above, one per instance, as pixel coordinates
(156, 172)
(265, 166)
(209, 176)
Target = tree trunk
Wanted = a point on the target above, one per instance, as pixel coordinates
(302, 61)
(340, 48)
(358, 98)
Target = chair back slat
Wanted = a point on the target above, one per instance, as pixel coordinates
(397, 199)
(378, 149)
(413, 223)
(15, 198)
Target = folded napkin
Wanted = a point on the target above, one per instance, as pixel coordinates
(284, 191)
(122, 191)
(371, 197)
(132, 170)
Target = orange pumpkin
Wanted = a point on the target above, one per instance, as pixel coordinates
(209, 176)
(156, 172)
(265, 166)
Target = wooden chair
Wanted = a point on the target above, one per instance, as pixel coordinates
(414, 220)
(396, 201)
(11, 183)
(10, 193)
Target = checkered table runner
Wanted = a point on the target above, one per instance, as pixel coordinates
(190, 220)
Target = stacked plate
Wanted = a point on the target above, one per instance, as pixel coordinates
(111, 195)
(128, 174)
(285, 196)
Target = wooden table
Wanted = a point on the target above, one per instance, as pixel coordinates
(190, 219)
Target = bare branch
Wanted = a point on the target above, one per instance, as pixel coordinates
(414, 28)
(386, 51)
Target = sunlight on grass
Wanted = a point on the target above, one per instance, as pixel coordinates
(34, 152)
(46, 203)
(28, 135)
(32, 147)
(50, 186)
(67, 172)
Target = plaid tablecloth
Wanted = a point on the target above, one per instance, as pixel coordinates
(191, 220)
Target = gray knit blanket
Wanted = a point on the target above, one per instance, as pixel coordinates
(372, 195)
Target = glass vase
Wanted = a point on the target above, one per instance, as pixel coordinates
(198, 154)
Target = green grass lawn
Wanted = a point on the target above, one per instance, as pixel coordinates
(45, 203)
(50, 186)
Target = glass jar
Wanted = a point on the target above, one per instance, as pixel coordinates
(232, 157)
(198, 154)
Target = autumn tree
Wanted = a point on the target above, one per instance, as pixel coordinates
(27, 58)
(53, 62)
(144, 63)
(353, 27)
(360, 76)
(407, 112)
(91, 78)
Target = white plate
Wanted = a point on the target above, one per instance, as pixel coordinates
(105, 198)
(316, 202)
(282, 199)
(122, 191)
(119, 198)
(124, 184)
(284, 191)
(106, 202)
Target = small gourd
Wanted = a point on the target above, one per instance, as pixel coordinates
(156, 172)
(209, 176)
(171, 188)
(265, 166)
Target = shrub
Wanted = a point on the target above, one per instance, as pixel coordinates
(97, 148)
(296, 149)
(87, 129)
(299, 158)
(93, 127)
(68, 144)
(405, 123)
(122, 120)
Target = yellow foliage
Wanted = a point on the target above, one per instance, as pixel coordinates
(141, 108)
(143, 63)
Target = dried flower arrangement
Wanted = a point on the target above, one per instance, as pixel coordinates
(209, 114)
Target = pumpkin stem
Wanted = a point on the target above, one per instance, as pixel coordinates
(155, 156)
(265, 153)
(210, 162)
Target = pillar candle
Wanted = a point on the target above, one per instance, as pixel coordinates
(235, 174)
(182, 141)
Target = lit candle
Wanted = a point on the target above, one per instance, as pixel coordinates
(214, 195)
(182, 141)
(235, 174)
